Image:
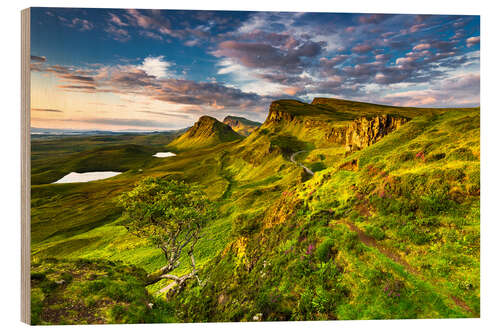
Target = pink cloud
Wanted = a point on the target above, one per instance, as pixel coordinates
(423, 46)
(116, 20)
(417, 27)
(473, 41)
(362, 48)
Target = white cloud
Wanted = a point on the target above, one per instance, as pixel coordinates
(156, 66)
(247, 80)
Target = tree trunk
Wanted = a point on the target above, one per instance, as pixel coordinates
(154, 277)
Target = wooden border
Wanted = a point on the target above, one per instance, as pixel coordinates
(25, 166)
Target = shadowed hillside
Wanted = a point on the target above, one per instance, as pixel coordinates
(241, 125)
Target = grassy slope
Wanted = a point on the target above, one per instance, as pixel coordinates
(249, 177)
(91, 292)
(416, 194)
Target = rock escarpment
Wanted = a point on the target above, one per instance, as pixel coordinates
(355, 133)
(278, 114)
(364, 132)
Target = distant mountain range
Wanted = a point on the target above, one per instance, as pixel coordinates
(57, 131)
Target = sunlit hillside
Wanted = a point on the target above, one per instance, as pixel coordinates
(386, 226)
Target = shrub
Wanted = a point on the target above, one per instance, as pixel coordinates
(38, 276)
(406, 156)
(463, 154)
(318, 166)
(436, 157)
(375, 232)
(246, 224)
(435, 203)
(67, 277)
(325, 250)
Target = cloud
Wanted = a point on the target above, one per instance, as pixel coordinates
(374, 18)
(71, 87)
(362, 48)
(382, 57)
(156, 66)
(151, 20)
(45, 110)
(151, 35)
(174, 115)
(147, 123)
(192, 42)
(152, 80)
(204, 93)
(77, 78)
(422, 46)
(118, 34)
(35, 58)
(461, 90)
(116, 20)
(77, 23)
(417, 27)
(334, 61)
(473, 41)
(264, 55)
(444, 45)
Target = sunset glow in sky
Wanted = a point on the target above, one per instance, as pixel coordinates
(112, 69)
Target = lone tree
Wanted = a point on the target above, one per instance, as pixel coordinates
(170, 214)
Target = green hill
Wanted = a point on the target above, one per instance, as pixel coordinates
(241, 125)
(207, 131)
(389, 231)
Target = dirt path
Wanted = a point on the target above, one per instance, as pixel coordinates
(228, 177)
(306, 169)
(372, 242)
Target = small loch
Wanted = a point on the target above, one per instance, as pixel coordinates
(76, 177)
(164, 154)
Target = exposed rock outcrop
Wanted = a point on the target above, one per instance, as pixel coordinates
(322, 125)
(364, 132)
(278, 114)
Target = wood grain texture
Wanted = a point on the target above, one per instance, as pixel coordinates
(25, 165)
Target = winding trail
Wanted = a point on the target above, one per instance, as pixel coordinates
(306, 169)
(372, 242)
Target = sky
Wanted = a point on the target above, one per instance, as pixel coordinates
(128, 69)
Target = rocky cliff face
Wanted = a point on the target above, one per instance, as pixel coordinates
(278, 114)
(364, 132)
(355, 135)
